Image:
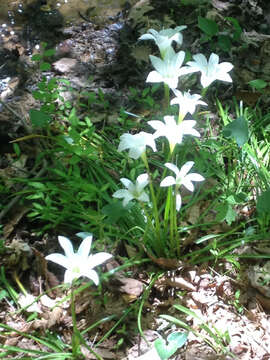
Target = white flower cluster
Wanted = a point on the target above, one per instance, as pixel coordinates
(168, 69)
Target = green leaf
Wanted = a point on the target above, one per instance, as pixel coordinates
(258, 84)
(38, 95)
(43, 44)
(35, 196)
(179, 338)
(263, 203)
(49, 52)
(238, 130)
(17, 149)
(38, 118)
(208, 26)
(225, 212)
(237, 28)
(160, 346)
(73, 119)
(36, 57)
(175, 341)
(37, 185)
(224, 42)
(45, 66)
(115, 211)
(3, 294)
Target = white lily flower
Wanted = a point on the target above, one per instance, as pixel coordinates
(187, 102)
(133, 191)
(169, 69)
(136, 143)
(211, 70)
(164, 38)
(172, 131)
(181, 178)
(80, 263)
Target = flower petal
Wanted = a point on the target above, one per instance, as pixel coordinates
(200, 60)
(185, 168)
(158, 64)
(187, 183)
(70, 276)
(119, 194)
(156, 124)
(98, 259)
(85, 246)
(142, 181)
(92, 275)
(172, 167)
(178, 203)
(224, 77)
(147, 139)
(168, 181)
(225, 66)
(195, 177)
(135, 153)
(187, 128)
(154, 76)
(147, 37)
(125, 141)
(193, 132)
(59, 259)
(144, 197)
(126, 182)
(178, 59)
(128, 197)
(206, 80)
(172, 82)
(66, 244)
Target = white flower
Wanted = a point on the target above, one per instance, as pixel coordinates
(210, 70)
(136, 143)
(169, 69)
(181, 178)
(164, 38)
(80, 263)
(133, 191)
(172, 131)
(187, 102)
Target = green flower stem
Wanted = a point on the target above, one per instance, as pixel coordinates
(204, 91)
(148, 225)
(20, 285)
(77, 338)
(169, 159)
(174, 219)
(172, 237)
(154, 200)
(167, 96)
(173, 225)
(167, 207)
(180, 118)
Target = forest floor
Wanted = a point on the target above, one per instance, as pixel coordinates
(222, 303)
